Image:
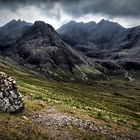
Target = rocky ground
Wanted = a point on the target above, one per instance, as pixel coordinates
(62, 126)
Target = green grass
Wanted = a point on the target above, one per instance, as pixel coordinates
(14, 127)
(115, 103)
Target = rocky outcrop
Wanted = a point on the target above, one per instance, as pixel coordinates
(10, 99)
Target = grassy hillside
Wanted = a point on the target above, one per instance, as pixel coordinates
(113, 103)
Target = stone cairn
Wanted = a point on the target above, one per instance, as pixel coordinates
(10, 99)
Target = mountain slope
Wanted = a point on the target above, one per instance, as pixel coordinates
(11, 31)
(126, 49)
(41, 48)
(105, 103)
(113, 46)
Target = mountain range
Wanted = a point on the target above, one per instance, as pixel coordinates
(106, 42)
(39, 47)
(75, 51)
(89, 33)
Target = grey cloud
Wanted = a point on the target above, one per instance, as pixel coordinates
(105, 7)
(115, 7)
(79, 7)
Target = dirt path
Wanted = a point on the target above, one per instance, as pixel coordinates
(66, 127)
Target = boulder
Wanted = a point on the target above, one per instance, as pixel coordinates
(10, 99)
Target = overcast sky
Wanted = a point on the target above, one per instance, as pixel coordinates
(59, 12)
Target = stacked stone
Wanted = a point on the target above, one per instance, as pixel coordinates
(10, 99)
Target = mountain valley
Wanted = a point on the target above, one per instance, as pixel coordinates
(81, 81)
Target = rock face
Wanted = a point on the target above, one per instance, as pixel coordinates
(10, 99)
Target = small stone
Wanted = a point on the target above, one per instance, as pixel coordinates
(25, 118)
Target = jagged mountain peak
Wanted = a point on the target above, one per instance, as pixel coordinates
(38, 22)
(104, 22)
(15, 22)
(91, 23)
(42, 24)
(90, 32)
(11, 31)
(12, 21)
(42, 30)
(72, 22)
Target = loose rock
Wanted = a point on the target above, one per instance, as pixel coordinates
(10, 99)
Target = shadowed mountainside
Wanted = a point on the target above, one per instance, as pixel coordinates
(40, 48)
(11, 31)
(111, 45)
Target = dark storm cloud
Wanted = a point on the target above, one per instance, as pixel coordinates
(105, 7)
(13, 4)
(80, 7)
(114, 7)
